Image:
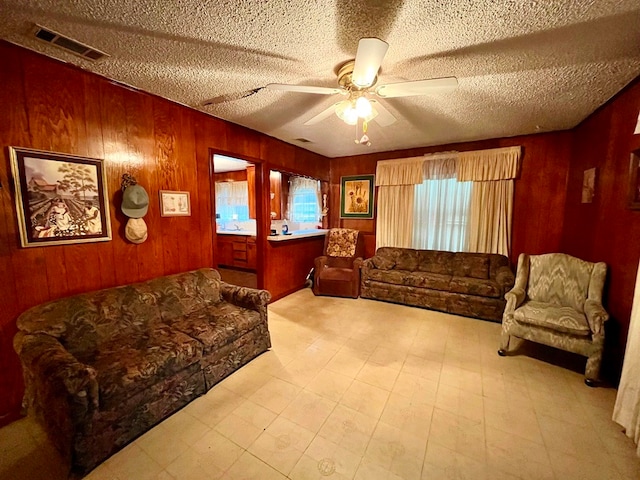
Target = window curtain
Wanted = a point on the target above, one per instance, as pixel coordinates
(299, 186)
(490, 217)
(627, 409)
(441, 206)
(232, 194)
(396, 180)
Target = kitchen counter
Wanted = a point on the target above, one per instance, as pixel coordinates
(297, 234)
(247, 233)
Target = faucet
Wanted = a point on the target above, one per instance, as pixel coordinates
(236, 227)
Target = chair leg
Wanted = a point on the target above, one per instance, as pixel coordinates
(508, 343)
(592, 371)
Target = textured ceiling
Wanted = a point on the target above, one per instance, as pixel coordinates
(522, 66)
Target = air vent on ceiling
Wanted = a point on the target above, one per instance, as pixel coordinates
(303, 140)
(73, 46)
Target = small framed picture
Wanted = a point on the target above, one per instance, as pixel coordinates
(356, 196)
(634, 181)
(175, 204)
(61, 199)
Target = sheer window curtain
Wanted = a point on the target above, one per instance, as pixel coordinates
(441, 207)
(230, 196)
(299, 189)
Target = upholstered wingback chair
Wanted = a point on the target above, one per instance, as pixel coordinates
(337, 272)
(557, 301)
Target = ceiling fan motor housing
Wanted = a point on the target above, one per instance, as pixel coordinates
(345, 74)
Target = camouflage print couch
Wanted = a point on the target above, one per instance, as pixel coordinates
(101, 368)
(469, 284)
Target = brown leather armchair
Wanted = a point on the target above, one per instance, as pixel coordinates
(337, 272)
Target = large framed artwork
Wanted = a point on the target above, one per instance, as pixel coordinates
(356, 196)
(61, 199)
(634, 181)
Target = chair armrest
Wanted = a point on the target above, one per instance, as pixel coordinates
(46, 361)
(505, 278)
(596, 316)
(320, 262)
(250, 298)
(357, 265)
(514, 298)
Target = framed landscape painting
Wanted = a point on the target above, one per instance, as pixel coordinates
(61, 199)
(356, 196)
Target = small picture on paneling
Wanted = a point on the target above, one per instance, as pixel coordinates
(61, 199)
(588, 185)
(634, 181)
(175, 204)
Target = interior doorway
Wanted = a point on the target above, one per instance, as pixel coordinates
(237, 217)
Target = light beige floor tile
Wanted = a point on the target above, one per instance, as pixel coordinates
(162, 446)
(369, 470)
(460, 402)
(378, 375)
(245, 381)
(349, 429)
(245, 423)
(443, 463)
(422, 367)
(133, 462)
(461, 378)
(193, 465)
(388, 357)
(397, 451)
(459, 434)
(215, 449)
(213, 407)
(309, 410)
(282, 444)
(418, 389)
(329, 384)
(248, 467)
(297, 372)
(324, 458)
(513, 417)
(347, 363)
(365, 398)
(275, 395)
(408, 414)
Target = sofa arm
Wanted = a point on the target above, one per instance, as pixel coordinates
(505, 278)
(514, 298)
(250, 298)
(47, 362)
(596, 316)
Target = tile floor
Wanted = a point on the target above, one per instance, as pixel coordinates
(358, 389)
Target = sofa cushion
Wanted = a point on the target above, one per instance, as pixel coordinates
(413, 279)
(435, 261)
(128, 364)
(340, 274)
(184, 293)
(383, 263)
(342, 242)
(218, 325)
(474, 265)
(407, 260)
(475, 286)
(563, 319)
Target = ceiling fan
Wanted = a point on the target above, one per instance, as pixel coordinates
(357, 81)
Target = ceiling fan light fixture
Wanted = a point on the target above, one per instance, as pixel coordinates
(347, 112)
(363, 107)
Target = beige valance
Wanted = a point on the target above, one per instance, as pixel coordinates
(493, 164)
(438, 166)
(404, 171)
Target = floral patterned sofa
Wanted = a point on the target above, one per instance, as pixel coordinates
(469, 284)
(101, 368)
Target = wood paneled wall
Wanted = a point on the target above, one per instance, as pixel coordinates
(539, 190)
(52, 106)
(606, 230)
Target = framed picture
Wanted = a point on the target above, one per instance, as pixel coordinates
(634, 180)
(356, 196)
(175, 204)
(61, 199)
(588, 185)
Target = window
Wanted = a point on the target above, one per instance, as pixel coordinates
(232, 201)
(304, 205)
(441, 215)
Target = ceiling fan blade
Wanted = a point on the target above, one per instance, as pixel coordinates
(384, 117)
(417, 87)
(369, 57)
(322, 115)
(304, 89)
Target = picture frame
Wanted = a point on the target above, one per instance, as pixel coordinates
(634, 181)
(175, 203)
(356, 196)
(61, 199)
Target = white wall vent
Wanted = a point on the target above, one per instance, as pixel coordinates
(70, 45)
